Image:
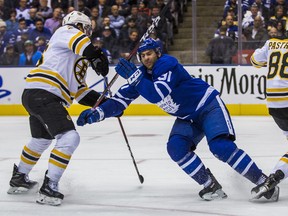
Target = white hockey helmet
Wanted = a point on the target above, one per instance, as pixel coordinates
(76, 17)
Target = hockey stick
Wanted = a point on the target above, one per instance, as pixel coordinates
(141, 178)
(134, 51)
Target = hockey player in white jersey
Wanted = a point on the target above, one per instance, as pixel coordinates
(199, 112)
(57, 80)
(274, 56)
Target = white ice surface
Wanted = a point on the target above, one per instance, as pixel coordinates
(101, 179)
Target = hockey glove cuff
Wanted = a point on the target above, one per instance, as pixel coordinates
(135, 78)
(129, 71)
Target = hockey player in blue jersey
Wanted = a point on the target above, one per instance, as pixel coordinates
(199, 112)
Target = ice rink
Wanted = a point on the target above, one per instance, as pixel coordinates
(101, 179)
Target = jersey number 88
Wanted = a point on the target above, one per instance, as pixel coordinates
(278, 64)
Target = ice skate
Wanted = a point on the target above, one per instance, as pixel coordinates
(20, 182)
(269, 188)
(213, 191)
(48, 193)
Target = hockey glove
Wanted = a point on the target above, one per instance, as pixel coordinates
(100, 64)
(90, 116)
(129, 71)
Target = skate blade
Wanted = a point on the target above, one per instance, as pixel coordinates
(21, 190)
(275, 196)
(17, 190)
(259, 194)
(217, 195)
(43, 199)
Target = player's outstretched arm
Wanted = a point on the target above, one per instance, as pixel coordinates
(90, 116)
(110, 108)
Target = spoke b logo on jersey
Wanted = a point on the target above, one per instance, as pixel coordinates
(80, 69)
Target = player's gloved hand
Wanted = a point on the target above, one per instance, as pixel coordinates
(90, 116)
(129, 71)
(100, 64)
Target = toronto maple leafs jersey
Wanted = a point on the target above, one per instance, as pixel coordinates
(62, 69)
(274, 55)
(169, 86)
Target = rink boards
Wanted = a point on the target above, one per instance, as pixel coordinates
(241, 87)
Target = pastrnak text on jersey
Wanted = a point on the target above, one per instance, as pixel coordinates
(278, 45)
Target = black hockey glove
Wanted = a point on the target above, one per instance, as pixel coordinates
(100, 64)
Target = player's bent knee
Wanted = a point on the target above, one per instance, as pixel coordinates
(68, 141)
(222, 148)
(39, 145)
(178, 147)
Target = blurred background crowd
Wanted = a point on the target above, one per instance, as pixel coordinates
(258, 21)
(27, 25)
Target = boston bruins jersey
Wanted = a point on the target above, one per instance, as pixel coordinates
(274, 55)
(62, 69)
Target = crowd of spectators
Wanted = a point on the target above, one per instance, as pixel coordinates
(260, 20)
(27, 25)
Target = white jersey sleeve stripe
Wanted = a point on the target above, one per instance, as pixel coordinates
(120, 101)
(204, 98)
(159, 91)
(226, 115)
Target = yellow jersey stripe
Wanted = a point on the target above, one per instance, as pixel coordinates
(72, 40)
(277, 90)
(51, 73)
(269, 99)
(44, 80)
(284, 160)
(80, 44)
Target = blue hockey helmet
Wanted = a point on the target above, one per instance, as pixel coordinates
(148, 44)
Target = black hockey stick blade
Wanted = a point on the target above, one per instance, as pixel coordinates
(141, 178)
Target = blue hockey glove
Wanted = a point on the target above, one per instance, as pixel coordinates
(90, 116)
(129, 71)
